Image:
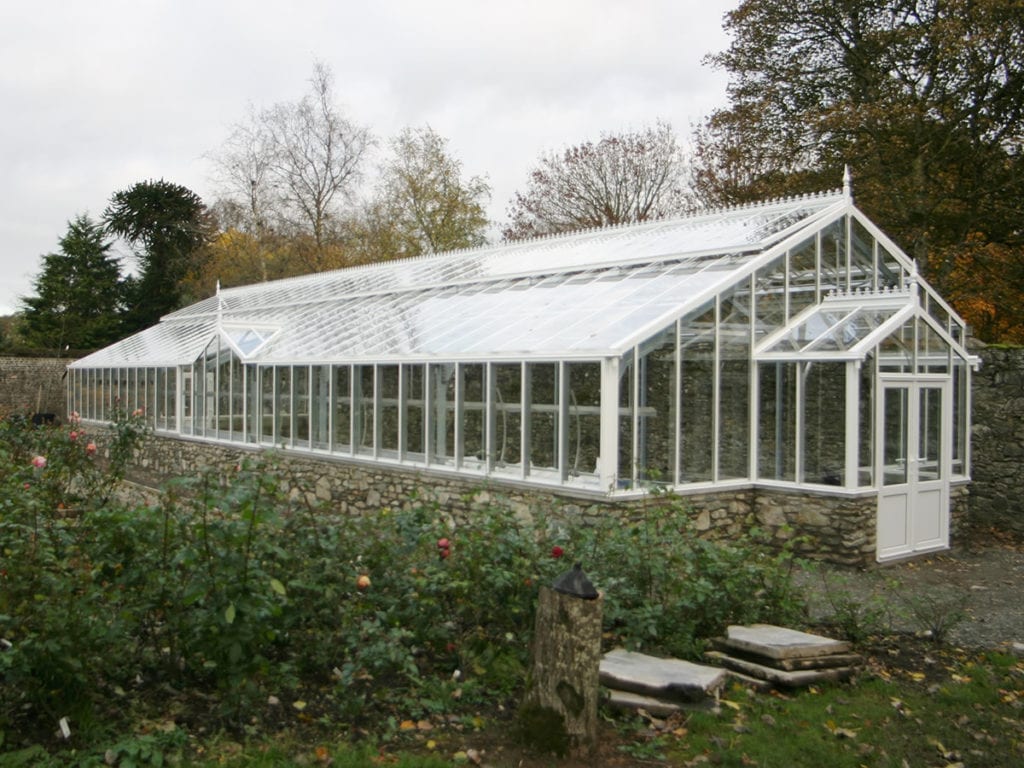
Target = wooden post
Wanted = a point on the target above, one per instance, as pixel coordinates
(559, 711)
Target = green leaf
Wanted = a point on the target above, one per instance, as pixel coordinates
(229, 613)
(277, 586)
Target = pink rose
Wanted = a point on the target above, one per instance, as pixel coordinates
(39, 462)
(90, 448)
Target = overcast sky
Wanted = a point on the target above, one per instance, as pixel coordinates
(96, 96)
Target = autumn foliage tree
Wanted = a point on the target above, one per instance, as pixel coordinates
(629, 177)
(423, 202)
(924, 99)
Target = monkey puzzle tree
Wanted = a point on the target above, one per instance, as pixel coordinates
(167, 224)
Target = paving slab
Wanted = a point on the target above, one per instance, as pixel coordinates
(774, 642)
(671, 679)
(797, 679)
(811, 662)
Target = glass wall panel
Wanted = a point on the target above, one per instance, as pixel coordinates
(803, 276)
(833, 257)
(508, 381)
(389, 410)
(342, 408)
(862, 257)
(171, 398)
(824, 422)
(300, 405)
(866, 423)
(363, 406)
(895, 429)
(697, 384)
(770, 297)
(627, 465)
(186, 399)
(151, 397)
(896, 352)
(283, 405)
(656, 440)
(584, 418)
(225, 387)
(320, 407)
(890, 272)
(930, 434)
(932, 350)
(267, 375)
(442, 387)
(413, 392)
(237, 407)
(734, 384)
(474, 416)
(252, 395)
(544, 410)
(776, 458)
(123, 397)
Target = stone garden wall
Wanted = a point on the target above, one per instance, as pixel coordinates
(997, 440)
(30, 385)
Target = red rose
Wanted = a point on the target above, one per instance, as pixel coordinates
(557, 551)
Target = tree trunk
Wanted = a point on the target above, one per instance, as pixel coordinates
(559, 711)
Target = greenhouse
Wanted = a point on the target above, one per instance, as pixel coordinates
(783, 345)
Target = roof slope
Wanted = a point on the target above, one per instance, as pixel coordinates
(584, 294)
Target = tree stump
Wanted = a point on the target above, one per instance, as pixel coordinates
(559, 711)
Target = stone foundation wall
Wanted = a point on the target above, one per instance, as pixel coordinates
(835, 529)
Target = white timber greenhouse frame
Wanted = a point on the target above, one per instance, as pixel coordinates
(789, 344)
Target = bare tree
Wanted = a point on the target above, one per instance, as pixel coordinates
(621, 178)
(294, 164)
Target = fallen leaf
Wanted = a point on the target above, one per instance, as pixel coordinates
(407, 725)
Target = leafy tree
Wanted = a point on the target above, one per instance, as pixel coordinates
(167, 224)
(77, 296)
(924, 99)
(423, 204)
(630, 177)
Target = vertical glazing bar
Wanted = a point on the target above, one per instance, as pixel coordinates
(850, 476)
(716, 390)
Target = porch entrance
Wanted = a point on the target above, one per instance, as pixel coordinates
(914, 466)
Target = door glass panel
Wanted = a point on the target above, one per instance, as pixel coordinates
(894, 432)
(930, 434)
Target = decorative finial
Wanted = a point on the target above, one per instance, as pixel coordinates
(217, 292)
(847, 183)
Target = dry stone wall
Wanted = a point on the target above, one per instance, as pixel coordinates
(30, 385)
(997, 440)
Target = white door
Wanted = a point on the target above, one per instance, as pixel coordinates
(913, 451)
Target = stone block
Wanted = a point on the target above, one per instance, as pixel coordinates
(774, 642)
(671, 679)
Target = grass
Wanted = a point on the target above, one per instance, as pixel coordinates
(915, 705)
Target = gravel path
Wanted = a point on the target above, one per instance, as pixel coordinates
(977, 590)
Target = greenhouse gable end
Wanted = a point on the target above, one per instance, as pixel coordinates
(788, 348)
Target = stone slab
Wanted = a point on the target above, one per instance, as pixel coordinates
(797, 679)
(774, 642)
(671, 679)
(658, 707)
(811, 662)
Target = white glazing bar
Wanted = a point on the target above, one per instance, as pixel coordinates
(634, 459)
(378, 410)
(716, 388)
(677, 410)
(802, 370)
(403, 426)
(428, 413)
(850, 475)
